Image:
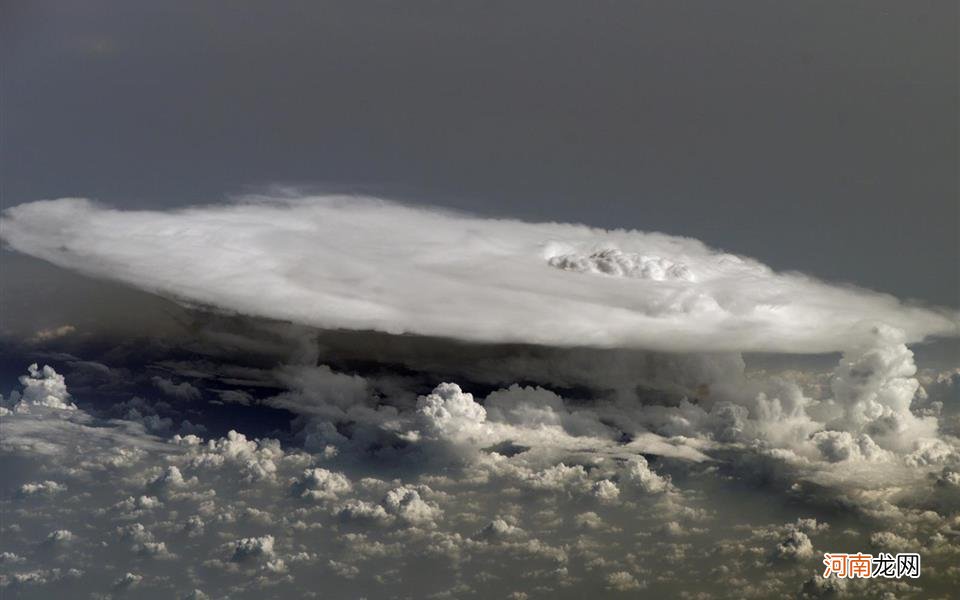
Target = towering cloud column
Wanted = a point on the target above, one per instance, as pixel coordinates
(874, 385)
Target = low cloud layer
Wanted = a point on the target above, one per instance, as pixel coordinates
(518, 492)
(366, 264)
(236, 456)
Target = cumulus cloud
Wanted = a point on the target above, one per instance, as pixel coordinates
(497, 530)
(406, 503)
(622, 581)
(875, 384)
(59, 537)
(255, 459)
(41, 388)
(258, 548)
(360, 263)
(41, 488)
(127, 581)
(361, 510)
(638, 474)
(321, 484)
(838, 446)
(576, 509)
(449, 412)
(795, 546)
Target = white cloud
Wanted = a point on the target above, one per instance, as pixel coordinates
(530, 408)
(253, 548)
(588, 520)
(406, 503)
(875, 384)
(795, 546)
(837, 446)
(572, 514)
(41, 388)
(616, 263)
(360, 510)
(450, 413)
(41, 488)
(359, 263)
(127, 581)
(498, 530)
(606, 491)
(639, 474)
(622, 581)
(170, 480)
(561, 478)
(60, 536)
(321, 484)
(254, 458)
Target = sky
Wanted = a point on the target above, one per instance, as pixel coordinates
(818, 137)
(478, 300)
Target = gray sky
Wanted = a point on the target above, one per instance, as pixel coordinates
(817, 136)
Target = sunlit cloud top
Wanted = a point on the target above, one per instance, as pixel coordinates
(369, 264)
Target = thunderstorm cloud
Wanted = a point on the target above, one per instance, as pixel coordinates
(367, 264)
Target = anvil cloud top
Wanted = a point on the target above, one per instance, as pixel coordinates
(369, 264)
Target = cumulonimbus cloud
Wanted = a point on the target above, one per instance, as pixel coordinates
(368, 264)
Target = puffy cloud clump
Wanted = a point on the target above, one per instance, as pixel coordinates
(891, 542)
(616, 263)
(939, 396)
(933, 451)
(838, 446)
(873, 410)
(499, 530)
(170, 482)
(59, 537)
(588, 520)
(405, 502)
(535, 407)
(367, 264)
(253, 548)
(795, 546)
(127, 580)
(40, 388)
(41, 488)
(639, 475)
(361, 510)
(606, 491)
(591, 500)
(561, 478)
(321, 484)
(622, 581)
(875, 377)
(450, 413)
(256, 459)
